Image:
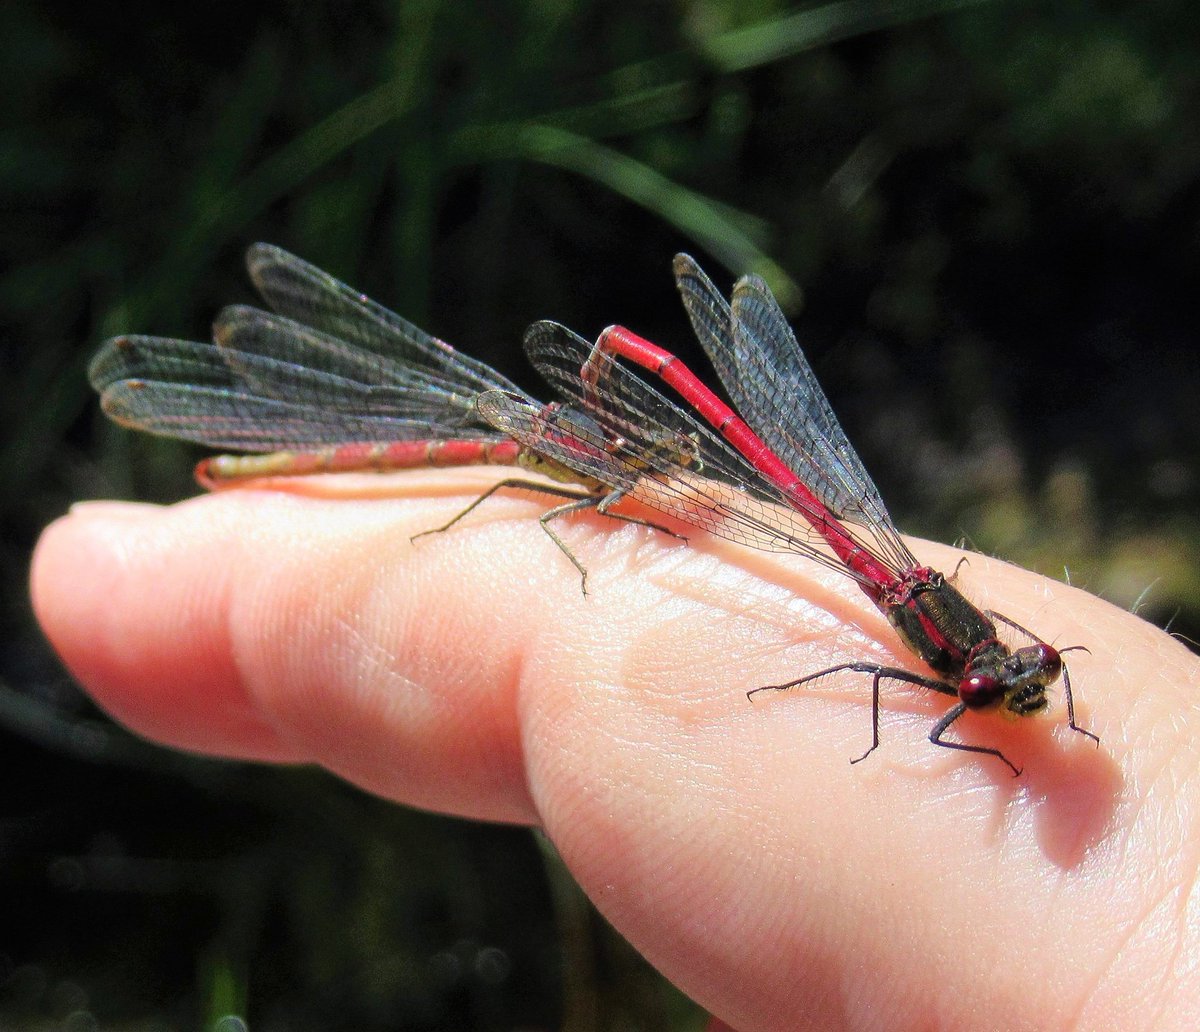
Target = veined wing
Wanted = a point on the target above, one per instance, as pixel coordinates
(773, 387)
(347, 370)
(300, 291)
(640, 442)
(226, 398)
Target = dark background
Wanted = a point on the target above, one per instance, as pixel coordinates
(982, 217)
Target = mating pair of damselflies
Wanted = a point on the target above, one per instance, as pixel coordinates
(329, 381)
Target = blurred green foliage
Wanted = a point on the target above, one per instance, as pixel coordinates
(982, 215)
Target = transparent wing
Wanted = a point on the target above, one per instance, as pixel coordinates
(300, 291)
(639, 441)
(334, 368)
(773, 387)
(226, 398)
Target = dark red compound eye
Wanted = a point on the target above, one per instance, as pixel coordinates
(980, 690)
(1049, 661)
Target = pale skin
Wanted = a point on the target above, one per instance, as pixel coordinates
(729, 840)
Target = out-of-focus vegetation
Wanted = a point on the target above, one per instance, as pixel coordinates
(983, 217)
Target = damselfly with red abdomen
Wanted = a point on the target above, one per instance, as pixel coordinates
(802, 460)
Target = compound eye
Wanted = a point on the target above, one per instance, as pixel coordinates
(980, 690)
(1048, 661)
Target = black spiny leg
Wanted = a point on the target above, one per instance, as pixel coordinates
(602, 506)
(1071, 699)
(562, 510)
(513, 482)
(579, 501)
(935, 736)
(613, 497)
(879, 673)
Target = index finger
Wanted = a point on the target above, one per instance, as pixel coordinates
(468, 674)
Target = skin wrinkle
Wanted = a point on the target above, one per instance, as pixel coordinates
(669, 677)
(1131, 932)
(1188, 878)
(257, 607)
(215, 589)
(794, 621)
(792, 615)
(811, 588)
(1191, 967)
(1137, 926)
(500, 675)
(1177, 945)
(1084, 993)
(361, 584)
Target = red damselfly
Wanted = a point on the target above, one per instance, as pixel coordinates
(802, 460)
(330, 381)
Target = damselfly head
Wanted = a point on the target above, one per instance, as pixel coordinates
(1016, 681)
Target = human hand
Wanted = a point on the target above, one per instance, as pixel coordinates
(730, 841)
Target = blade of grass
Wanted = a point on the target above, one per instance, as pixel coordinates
(730, 235)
